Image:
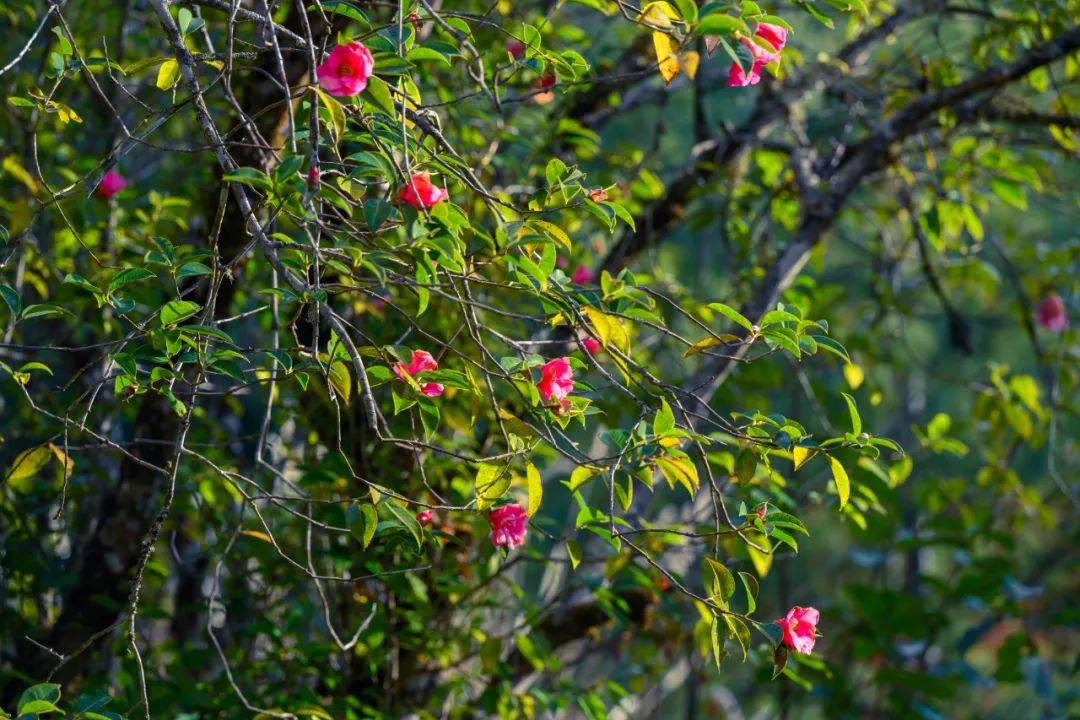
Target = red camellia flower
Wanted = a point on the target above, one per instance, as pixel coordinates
(545, 83)
(799, 626)
(508, 526)
(420, 361)
(556, 381)
(591, 345)
(420, 192)
(516, 48)
(1051, 313)
(775, 37)
(346, 71)
(582, 275)
(424, 517)
(111, 183)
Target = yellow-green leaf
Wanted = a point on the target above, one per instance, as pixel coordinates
(26, 466)
(492, 482)
(337, 112)
(574, 551)
(705, 344)
(581, 475)
(658, 15)
(341, 379)
(168, 74)
(536, 488)
(679, 469)
(840, 477)
(799, 456)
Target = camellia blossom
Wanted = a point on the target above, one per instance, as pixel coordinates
(346, 71)
(591, 345)
(508, 526)
(111, 183)
(799, 626)
(313, 176)
(424, 517)
(545, 83)
(556, 380)
(1051, 313)
(582, 275)
(775, 37)
(516, 48)
(420, 192)
(420, 361)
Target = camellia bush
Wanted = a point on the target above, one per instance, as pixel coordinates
(574, 358)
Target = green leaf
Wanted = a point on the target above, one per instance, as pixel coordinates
(746, 465)
(718, 580)
(11, 298)
(664, 422)
(719, 23)
(363, 521)
(856, 421)
(176, 311)
(192, 269)
(379, 94)
(740, 631)
(249, 176)
(126, 277)
(407, 519)
(750, 585)
(732, 314)
(39, 698)
(376, 212)
(717, 641)
(840, 477)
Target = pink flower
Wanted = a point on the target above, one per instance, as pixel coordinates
(582, 275)
(598, 195)
(516, 48)
(508, 526)
(561, 261)
(313, 176)
(556, 380)
(421, 192)
(774, 37)
(111, 183)
(347, 70)
(424, 517)
(799, 626)
(591, 345)
(420, 361)
(1051, 313)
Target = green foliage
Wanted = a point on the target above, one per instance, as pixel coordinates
(230, 484)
